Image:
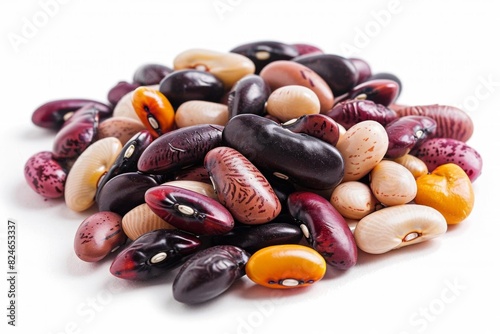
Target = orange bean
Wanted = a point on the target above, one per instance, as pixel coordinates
(154, 110)
(286, 266)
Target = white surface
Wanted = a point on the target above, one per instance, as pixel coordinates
(444, 52)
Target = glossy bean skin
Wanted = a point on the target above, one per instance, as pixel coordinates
(154, 110)
(339, 73)
(248, 96)
(127, 158)
(241, 187)
(119, 90)
(124, 192)
(305, 48)
(193, 173)
(302, 159)
(45, 175)
(201, 112)
(253, 238)
(329, 233)
(153, 254)
(387, 76)
(451, 122)
(121, 127)
(209, 273)
(350, 112)
(189, 211)
(186, 85)
(292, 101)
(315, 125)
(286, 266)
(363, 68)
(180, 148)
(380, 91)
(284, 73)
(265, 52)
(77, 133)
(53, 114)
(438, 151)
(407, 132)
(151, 74)
(99, 235)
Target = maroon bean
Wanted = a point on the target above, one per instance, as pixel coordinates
(180, 148)
(451, 122)
(380, 91)
(209, 273)
(438, 151)
(116, 92)
(45, 175)
(316, 125)
(388, 76)
(350, 112)
(264, 52)
(77, 133)
(241, 187)
(185, 85)
(189, 211)
(363, 68)
(406, 133)
(304, 49)
(151, 74)
(53, 114)
(99, 235)
(154, 254)
(325, 229)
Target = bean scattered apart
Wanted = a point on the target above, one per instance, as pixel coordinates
(252, 162)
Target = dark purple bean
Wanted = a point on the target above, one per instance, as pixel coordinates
(387, 76)
(128, 157)
(305, 49)
(325, 229)
(180, 148)
(438, 151)
(380, 91)
(116, 92)
(53, 114)
(153, 254)
(264, 52)
(124, 192)
(77, 133)
(99, 235)
(185, 85)
(209, 273)
(248, 96)
(45, 175)
(408, 132)
(348, 113)
(451, 122)
(338, 72)
(151, 74)
(363, 68)
(316, 125)
(282, 188)
(305, 160)
(253, 238)
(189, 211)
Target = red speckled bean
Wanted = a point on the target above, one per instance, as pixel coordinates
(45, 175)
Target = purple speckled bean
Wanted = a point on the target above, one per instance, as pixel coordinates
(438, 151)
(45, 175)
(316, 125)
(348, 113)
(408, 132)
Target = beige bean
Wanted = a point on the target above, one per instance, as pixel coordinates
(141, 220)
(119, 127)
(392, 184)
(293, 101)
(353, 200)
(415, 165)
(201, 112)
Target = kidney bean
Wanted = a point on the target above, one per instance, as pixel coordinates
(338, 72)
(45, 175)
(241, 187)
(327, 230)
(248, 96)
(99, 235)
(53, 114)
(408, 132)
(304, 49)
(350, 112)
(121, 127)
(380, 91)
(189, 210)
(153, 254)
(209, 273)
(186, 85)
(154, 110)
(363, 68)
(438, 151)
(180, 148)
(201, 112)
(264, 52)
(254, 237)
(119, 90)
(316, 125)
(151, 74)
(303, 159)
(387, 76)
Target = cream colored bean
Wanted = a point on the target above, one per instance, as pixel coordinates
(227, 66)
(196, 186)
(415, 165)
(353, 200)
(119, 127)
(201, 112)
(363, 146)
(398, 226)
(392, 183)
(293, 101)
(141, 220)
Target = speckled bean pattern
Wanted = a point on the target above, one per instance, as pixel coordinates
(45, 175)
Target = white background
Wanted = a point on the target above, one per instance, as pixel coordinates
(444, 52)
